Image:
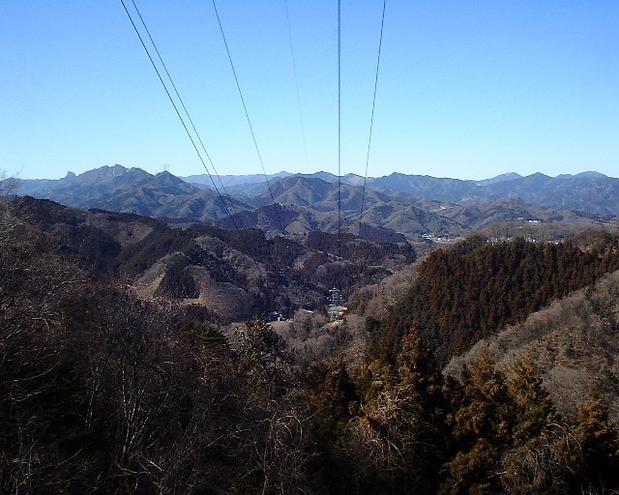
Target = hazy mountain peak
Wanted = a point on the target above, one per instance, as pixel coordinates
(509, 175)
(500, 178)
(591, 175)
(538, 175)
(168, 178)
(104, 172)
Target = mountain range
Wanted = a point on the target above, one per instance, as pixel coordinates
(589, 192)
(411, 205)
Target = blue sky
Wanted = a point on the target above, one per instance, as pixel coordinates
(468, 89)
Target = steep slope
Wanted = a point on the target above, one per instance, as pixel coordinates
(102, 184)
(107, 389)
(471, 290)
(232, 273)
(574, 343)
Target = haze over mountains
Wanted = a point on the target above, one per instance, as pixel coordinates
(409, 204)
(590, 192)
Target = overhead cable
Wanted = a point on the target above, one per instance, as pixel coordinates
(245, 110)
(296, 82)
(190, 120)
(370, 133)
(174, 105)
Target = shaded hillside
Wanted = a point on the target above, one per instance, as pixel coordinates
(232, 273)
(411, 218)
(574, 342)
(255, 184)
(271, 218)
(362, 251)
(470, 291)
(423, 186)
(102, 392)
(320, 195)
(95, 187)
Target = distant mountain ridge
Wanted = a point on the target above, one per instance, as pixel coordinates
(132, 190)
(410, 204)
(589, 192)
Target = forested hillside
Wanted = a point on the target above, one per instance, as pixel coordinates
(234, 273)
(573, 340)
(105, 391)
(434, 313)
(468, 292)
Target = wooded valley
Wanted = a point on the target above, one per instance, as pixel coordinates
(106, 391)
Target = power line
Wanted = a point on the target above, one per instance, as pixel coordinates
(339, 128)
(180, 117)
(180, 99)
(296, 82)
(369, 147)
(247, 117)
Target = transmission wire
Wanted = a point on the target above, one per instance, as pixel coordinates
(296, 82)
(180, 99)
(369, 147)
(247, 117)
(339, 128)
(193, 143)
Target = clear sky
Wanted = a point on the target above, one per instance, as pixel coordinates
(468, 89)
